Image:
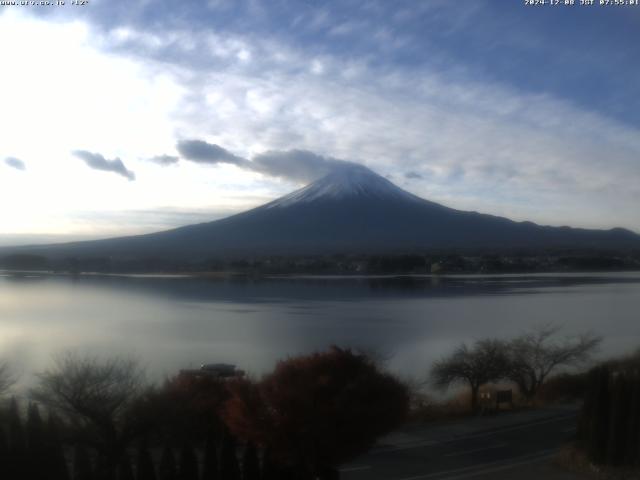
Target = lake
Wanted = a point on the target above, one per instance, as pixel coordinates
(181, 322)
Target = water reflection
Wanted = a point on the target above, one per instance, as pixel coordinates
(173, 322)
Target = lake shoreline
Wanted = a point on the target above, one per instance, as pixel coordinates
(310, 276)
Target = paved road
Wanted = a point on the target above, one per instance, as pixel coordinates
(519, 447)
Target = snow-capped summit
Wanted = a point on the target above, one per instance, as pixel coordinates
(350, 210)
(346, 181)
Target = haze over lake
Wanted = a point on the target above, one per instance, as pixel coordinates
(179, 322)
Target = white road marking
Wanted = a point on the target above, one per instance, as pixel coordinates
(485, 468)
(465, 452)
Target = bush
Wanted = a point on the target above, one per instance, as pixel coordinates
(317, 411)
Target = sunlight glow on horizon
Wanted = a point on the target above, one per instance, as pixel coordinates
(68, 96)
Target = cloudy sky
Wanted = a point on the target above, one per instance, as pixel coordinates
(122, 117)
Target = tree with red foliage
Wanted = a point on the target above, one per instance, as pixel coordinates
(189, 406)
(315, 412)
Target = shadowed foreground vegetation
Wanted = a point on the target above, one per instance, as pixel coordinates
(607, 444)
(311, 414)
(609, 426)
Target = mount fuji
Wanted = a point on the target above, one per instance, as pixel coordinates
(350, 210)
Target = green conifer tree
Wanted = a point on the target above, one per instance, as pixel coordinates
(250, 463)
(167, 470)
(599, 421)
(103, 470)
(229, 468)
(632, 454)
(188, 463)
(56, 461)
(17, 465)
(82, 469)
(618, 417)
(272, 470)
(36, 444)
(210, 461)
(144, 464)
(125, 472)
(4, 450)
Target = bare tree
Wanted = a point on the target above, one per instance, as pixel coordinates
(7, 377)
(485, 361)
(94, 395)
(535, 354)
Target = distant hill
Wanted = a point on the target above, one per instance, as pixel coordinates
(351, 210)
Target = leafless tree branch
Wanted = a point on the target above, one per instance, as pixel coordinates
(485, 361)
(537, 353)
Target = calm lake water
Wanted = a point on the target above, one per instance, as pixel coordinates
(172, 323)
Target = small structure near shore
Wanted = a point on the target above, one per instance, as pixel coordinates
(491, 399)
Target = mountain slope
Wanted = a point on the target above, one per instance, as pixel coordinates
(351, 210)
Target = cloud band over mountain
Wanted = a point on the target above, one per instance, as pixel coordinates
(202, 152)
(300, 166)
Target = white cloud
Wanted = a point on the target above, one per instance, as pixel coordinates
(480, 146)
(488, 146)
(15, 163)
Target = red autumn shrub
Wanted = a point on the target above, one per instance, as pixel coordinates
(315, 412)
